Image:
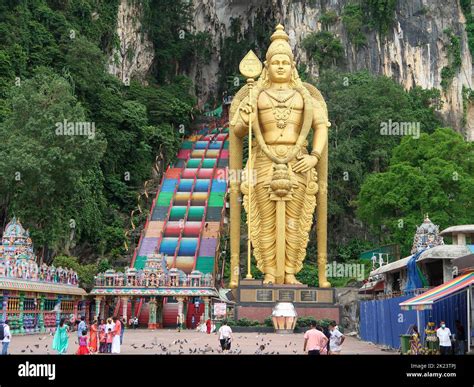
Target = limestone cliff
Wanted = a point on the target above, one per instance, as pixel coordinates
(133, 55)
(413, 51)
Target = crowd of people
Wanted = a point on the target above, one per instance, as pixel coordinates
(449, 344)
(106, 336)
(320, 341)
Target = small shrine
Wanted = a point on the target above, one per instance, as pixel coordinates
(33, 298)
(426, 236)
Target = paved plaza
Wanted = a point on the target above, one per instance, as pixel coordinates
(166, 341)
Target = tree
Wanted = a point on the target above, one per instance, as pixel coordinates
(358, 103)
(86, 273)
(51, 178)
(434, 175)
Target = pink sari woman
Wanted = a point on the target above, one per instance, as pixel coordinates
(94, 337)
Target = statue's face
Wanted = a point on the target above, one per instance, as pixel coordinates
(279, 68)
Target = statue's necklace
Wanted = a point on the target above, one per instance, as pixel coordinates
(281, 112)
(280, 98)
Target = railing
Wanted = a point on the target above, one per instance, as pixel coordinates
(142, 279)
(412, 293)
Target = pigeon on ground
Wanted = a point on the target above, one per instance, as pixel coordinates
(37, 345)
(23, 350)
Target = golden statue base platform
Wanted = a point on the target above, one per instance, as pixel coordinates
(255, 301)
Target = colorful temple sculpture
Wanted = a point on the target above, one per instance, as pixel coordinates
(34, 297)
(172, 275)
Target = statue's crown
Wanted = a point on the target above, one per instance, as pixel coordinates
(279, 44)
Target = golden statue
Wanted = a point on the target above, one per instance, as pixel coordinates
(285, 182)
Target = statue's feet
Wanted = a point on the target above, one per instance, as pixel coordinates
(290, 279)
(325, 284)
(268, 279)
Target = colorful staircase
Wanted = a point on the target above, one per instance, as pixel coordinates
(187, 213)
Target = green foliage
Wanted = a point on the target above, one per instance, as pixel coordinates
(353, 19)
(44, 174)
(103, 265)
(244, 322)
(469, 26)
(324, 48)
(268, 322)
(168, 24)
(308, 274)
(53, 66)
(454, 58)
(351, 251)
(86, 273)
(434, 174)
(328, 18)
(358, 103)
(467, 97)
(305, 322)
(380, 14)
(237, 44)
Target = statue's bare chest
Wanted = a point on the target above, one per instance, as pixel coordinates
(280, 111)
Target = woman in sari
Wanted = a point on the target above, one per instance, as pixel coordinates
(93, 337)
(116, 334)
(61, 338)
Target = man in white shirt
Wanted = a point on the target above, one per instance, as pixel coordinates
(336, 340)
(6, 337)
(225, 336)
(444, 336)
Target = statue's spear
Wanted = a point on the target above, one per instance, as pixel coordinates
(250, 67)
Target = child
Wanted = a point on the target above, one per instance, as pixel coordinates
(83, 350)
(102, 338)
(110, 338)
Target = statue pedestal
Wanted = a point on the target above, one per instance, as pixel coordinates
(255, 301)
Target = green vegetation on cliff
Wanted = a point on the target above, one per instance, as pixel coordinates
(76, 192)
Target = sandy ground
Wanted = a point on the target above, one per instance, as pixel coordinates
(163, 341)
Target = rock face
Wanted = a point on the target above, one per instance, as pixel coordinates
(413, 52)
(348, 299)
(134, 56)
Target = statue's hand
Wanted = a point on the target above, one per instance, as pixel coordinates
(245, 112)
(305, 164)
